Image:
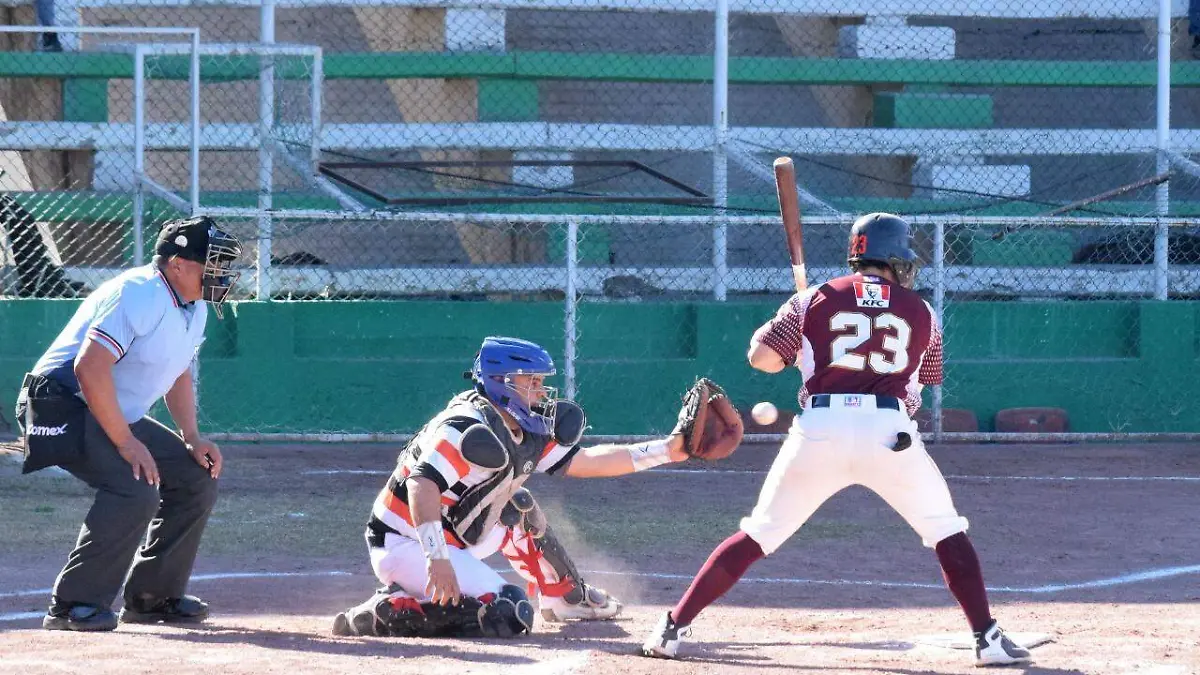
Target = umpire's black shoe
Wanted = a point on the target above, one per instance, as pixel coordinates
(143, 609)
(76, 616)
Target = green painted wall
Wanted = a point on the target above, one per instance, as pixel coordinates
(617, 67)
(387, 366)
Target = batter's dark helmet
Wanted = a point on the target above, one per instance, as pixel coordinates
(884, 239)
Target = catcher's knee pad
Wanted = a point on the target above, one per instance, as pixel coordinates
(522, 512)
(507, 615)
(522, 500)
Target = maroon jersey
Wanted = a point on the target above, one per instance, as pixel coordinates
(859, 335)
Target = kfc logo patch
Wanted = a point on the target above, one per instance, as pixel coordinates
(875, 296)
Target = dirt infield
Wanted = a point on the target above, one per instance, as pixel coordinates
(1096, 545)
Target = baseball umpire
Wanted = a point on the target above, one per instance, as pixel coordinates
(865, 345)
(83, 407)
(456, 497)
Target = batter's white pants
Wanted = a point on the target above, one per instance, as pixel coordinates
(829, 449)
(401, 561)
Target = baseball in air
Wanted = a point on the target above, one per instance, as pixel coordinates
(764, 413)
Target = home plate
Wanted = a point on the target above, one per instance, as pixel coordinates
(965, 641)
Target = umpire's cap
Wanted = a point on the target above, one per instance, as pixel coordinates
(194, 239)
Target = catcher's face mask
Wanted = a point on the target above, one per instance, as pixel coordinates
(530, 387)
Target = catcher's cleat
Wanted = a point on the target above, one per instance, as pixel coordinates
(994, 648)
(341, 625)
(596, 605)
(664, 640)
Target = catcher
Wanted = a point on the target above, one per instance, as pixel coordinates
(456, 497)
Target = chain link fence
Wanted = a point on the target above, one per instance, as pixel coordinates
(611, 161)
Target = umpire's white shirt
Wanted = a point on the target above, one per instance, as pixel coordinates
(151, 332)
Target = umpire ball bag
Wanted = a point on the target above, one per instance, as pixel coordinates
(51, 418)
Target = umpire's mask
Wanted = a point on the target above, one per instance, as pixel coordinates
(200, 240)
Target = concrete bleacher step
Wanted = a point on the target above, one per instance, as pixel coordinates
(1036, 247)
(921, 110)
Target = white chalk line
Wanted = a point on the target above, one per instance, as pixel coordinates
(21, 616)
(1135, 577)
(206, 577)
(1129, 479)
(1124, 579)
(749, 472)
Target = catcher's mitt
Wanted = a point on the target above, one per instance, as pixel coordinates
(710, 425)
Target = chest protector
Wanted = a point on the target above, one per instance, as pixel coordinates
(490, 446)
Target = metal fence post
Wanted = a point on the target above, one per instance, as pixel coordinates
(1162, 141)
(720, 157)
(139, 151)
(266, 157)
(194, 151)
(939, 306)
(570, 309)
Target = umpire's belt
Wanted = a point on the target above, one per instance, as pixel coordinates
(853, 401)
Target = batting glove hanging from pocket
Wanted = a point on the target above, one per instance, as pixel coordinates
(709, 423)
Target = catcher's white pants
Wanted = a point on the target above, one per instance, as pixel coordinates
(829, 449)
(401, 561)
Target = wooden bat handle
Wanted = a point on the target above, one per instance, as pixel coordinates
(789, 212)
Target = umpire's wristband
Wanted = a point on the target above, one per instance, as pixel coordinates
(433, 541)
(650, 454)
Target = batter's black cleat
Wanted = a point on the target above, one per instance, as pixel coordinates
(144, 609)
(80, 617)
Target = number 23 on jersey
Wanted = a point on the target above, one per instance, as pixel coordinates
(855, 328)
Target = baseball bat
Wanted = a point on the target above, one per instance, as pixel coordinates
(789, 211)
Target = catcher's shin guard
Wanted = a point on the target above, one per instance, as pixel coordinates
(461, 620)
(539, 557)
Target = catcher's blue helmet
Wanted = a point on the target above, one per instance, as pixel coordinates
(498, 360)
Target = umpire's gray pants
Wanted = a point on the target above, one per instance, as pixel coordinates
(114, 529)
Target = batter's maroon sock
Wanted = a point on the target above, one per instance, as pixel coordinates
(960, 567)
(724, 567)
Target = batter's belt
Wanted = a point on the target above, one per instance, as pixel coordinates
(826, 400)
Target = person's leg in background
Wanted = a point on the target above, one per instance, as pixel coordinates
(48, 41)
(1194, 26)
